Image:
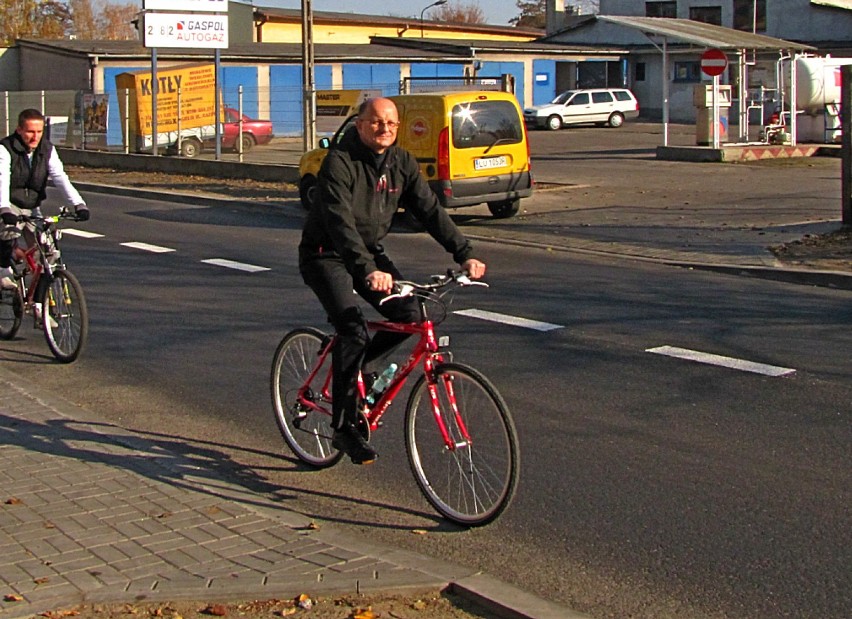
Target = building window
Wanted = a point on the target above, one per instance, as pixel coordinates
(750, 15)
(706, 14)
(687, 71)
(661, 9)
(640, 72)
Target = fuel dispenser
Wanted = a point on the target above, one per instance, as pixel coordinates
(702, 97)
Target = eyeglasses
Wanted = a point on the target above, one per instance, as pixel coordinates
(375, 124)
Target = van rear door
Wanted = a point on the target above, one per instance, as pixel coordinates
(488, 155)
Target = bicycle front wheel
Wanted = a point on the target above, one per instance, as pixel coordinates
(473, 480)
(11, 311)
(307, 431)
(65, 316)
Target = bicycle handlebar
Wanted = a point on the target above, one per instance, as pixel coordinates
(403, 288)
(64, 213)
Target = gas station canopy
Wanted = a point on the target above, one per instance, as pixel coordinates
(710, 36)
(704, 35)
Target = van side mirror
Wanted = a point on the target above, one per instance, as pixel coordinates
(324, 143)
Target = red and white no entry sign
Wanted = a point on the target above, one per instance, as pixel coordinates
(714, 62)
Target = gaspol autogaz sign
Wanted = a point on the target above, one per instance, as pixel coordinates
(197, 30)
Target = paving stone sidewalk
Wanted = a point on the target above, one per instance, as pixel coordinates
(92, 512)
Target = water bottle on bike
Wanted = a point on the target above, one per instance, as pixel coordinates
(381, 383)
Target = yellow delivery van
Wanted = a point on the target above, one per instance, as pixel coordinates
(471, 146)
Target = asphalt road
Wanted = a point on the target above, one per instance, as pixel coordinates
(652, 486)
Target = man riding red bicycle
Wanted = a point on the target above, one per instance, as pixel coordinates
(27, 162)
(362, 183)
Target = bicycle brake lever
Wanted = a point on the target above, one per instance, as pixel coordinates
(464, 280)
(404, 291)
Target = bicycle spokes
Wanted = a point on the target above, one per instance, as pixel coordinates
(462, 445)
(302, 410)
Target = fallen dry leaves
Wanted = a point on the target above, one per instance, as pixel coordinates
(434, 605)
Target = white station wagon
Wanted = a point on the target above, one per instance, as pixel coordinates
(601, 106)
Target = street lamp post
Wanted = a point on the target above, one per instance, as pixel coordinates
(436, 3)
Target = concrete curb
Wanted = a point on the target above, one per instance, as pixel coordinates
(807, 277)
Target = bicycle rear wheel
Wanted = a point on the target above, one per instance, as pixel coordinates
(474, 482)
(11, 311)
(308, 432)
(65, 316)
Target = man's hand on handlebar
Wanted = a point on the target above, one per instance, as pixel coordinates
(380, 281)
(81, 213)
(474, 268)
(9, 219)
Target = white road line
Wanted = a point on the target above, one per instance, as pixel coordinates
(146, 247)
(81, 233)
(240, 266)
(728, 362)
(506, 319)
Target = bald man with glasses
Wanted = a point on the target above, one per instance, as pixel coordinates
(363, 181)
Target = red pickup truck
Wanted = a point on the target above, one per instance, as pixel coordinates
(254, 132)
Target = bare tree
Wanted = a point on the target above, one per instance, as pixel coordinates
(460, 13)
(33, 18)
(115, 22)
(53, 19)
(533, 14)
(83, 18)
(582, 7)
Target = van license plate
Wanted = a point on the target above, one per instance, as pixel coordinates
(490, 162)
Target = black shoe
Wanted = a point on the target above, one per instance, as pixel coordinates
(351, 441)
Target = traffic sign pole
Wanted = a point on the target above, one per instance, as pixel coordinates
(716, 139)
(713, 63)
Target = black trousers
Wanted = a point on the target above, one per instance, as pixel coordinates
(6, 249)
(331, 282)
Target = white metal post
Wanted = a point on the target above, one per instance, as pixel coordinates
(179, 136)
(794, 81)
(716, 112)
(240, 123)
(127, 121)
(665, 93)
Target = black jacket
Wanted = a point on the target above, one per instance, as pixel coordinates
(357, 202)
(27, 188)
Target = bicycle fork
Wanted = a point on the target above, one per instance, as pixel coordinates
(450, 443)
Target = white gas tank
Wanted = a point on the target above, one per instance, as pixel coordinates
(818, 82)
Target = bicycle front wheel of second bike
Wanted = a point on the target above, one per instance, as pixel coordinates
(306, 431)
(66, 316)
(473, 481)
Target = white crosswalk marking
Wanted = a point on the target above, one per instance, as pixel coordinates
(507, 319)
(230, 264)
(146, 247)
(728, 362)
(81, 233)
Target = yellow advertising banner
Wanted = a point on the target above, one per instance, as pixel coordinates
(188, 91)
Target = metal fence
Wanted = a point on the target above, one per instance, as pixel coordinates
(102, 120)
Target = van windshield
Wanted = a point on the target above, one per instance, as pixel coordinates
(483, 123)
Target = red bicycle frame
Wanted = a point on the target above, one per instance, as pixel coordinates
(33, 266)
(426, 348)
